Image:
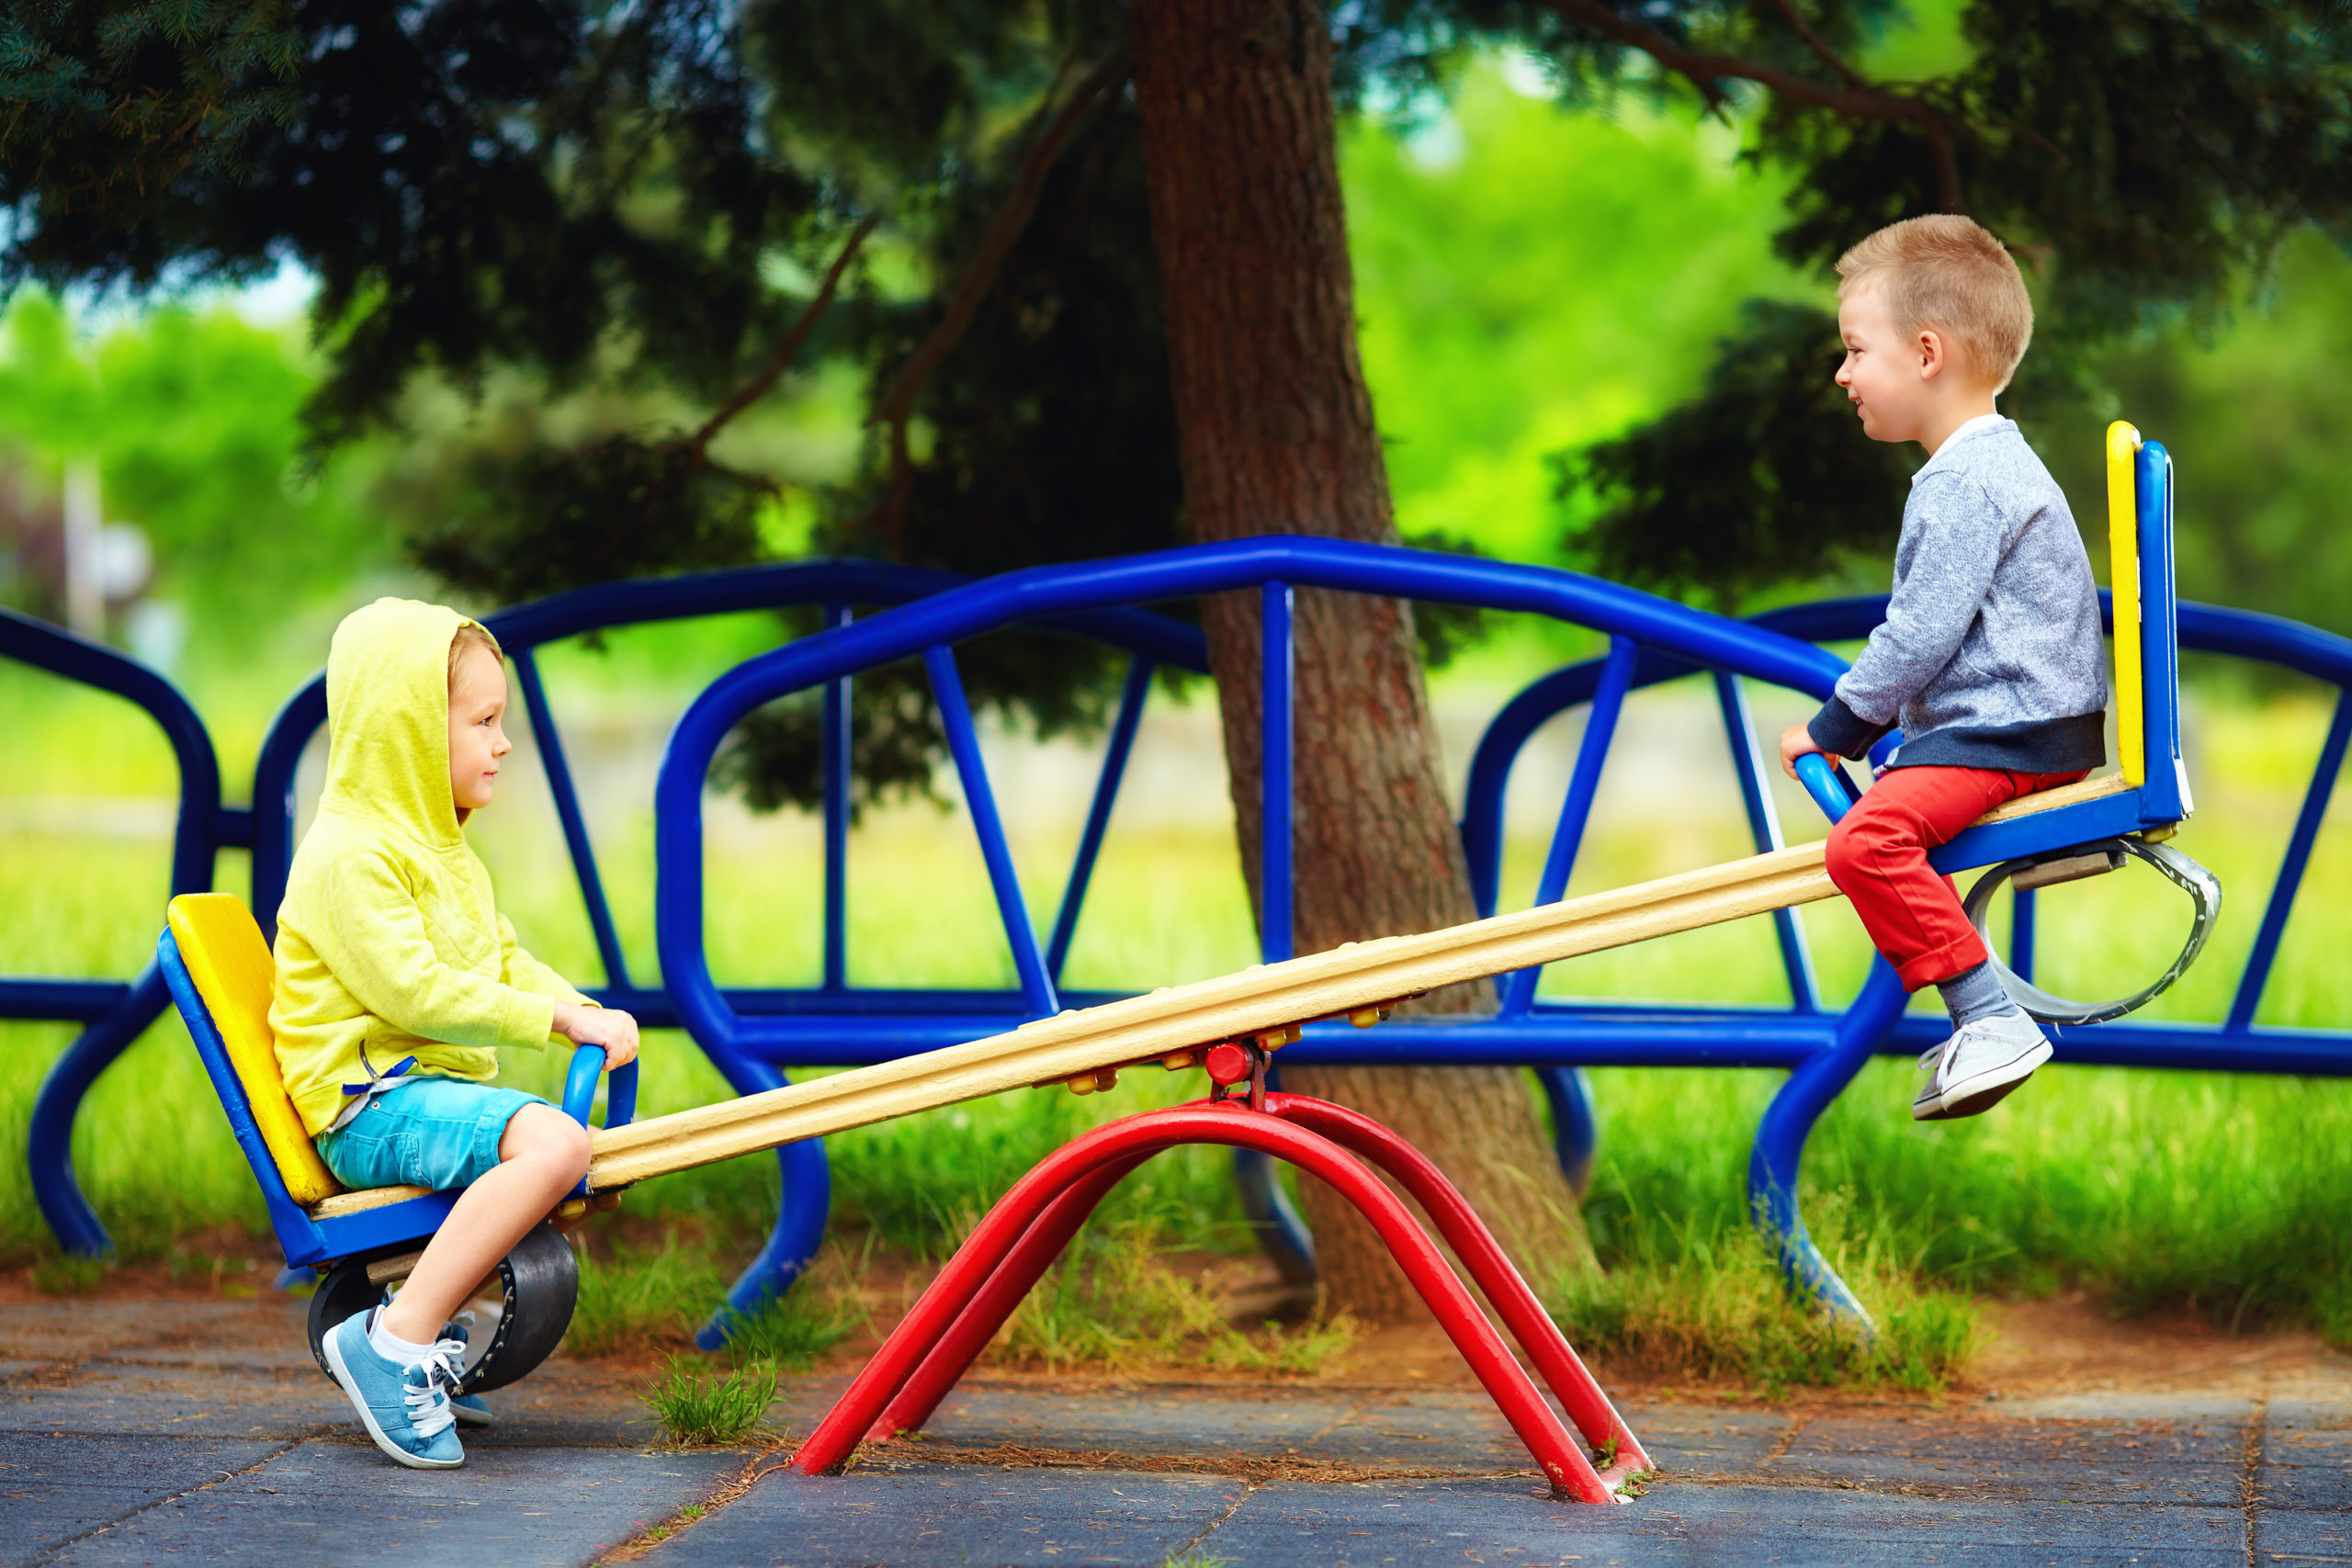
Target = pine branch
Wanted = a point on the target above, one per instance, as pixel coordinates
(1820, 46)
(692, 455)
(1860, 100)
(786, 351)
(897, 406)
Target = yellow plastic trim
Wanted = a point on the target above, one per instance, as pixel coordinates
(234, 974)
(2124, 571)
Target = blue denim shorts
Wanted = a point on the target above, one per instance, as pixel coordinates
(436, 1133)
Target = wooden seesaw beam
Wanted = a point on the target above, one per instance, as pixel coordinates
(1264, 1000)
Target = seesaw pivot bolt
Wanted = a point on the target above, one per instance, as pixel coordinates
(1228, 1064)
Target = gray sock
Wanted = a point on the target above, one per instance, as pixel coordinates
(1974, 993)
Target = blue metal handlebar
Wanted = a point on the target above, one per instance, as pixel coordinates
(1832, 787)
(579, 1088)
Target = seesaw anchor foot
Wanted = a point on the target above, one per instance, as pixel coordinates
(1010, 1249)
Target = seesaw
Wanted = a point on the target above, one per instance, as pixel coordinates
(218, 968)
(220, 972)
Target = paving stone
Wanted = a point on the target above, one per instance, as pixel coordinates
(342, 1503)
(1408, 1429)
(1702, 1441)
(173, 1400)
(2306, 1459)
(1421, 1524)
(55, 1488)
(1026, 1519)
(2086, 1461)
(2296, 1535)
(1428, 1524)
(2119, 1405)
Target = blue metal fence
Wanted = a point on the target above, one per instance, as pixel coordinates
(755, 1035)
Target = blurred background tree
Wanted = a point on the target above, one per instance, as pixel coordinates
(1050, 263)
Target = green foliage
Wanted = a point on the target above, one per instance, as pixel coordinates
(69, 1274)
(639, 1298)
(2255, 416)
(698, 1406)
(617, 507)
(640, 202)
(1530, 278)
(1761, 478)
(792, 1332)
(1112, 1301)
(104, 105)
(192, 416)
(2146, 164)
(1719, 1311)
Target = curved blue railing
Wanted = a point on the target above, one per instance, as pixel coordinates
(114, 1013)
(753, 1035)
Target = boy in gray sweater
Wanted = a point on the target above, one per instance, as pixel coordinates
(1991, 656)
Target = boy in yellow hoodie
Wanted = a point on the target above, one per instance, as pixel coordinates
(397, 981)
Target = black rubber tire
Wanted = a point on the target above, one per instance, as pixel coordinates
(539, 1284)
(343, 1292)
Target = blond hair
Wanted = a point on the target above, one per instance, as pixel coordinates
(1945, 272)
(470, 635)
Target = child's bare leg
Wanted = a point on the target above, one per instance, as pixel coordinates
(542, 1156)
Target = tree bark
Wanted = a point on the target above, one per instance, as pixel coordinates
(1275, 435)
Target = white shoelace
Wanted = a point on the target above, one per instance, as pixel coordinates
(428, 1406)
(1931, 1059)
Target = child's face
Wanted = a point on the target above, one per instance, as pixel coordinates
(1895, 380)
(477, 706)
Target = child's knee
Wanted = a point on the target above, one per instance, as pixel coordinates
(546, 1137)
(1842, 857)
(1860, 840)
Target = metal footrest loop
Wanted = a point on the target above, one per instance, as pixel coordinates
(2072, 864)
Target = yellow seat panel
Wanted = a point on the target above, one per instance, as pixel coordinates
(234, 974)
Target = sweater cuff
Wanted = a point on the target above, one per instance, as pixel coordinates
(1841, 731)
(530, 1021)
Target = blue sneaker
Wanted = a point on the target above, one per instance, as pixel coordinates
(405, 1409)
(471, 1409)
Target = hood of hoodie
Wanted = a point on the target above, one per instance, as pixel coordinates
(388, 718)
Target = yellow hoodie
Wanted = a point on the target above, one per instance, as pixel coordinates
(389, 938)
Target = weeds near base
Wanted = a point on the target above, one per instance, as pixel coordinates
(1112, 1301)
(69, 1274)
(635, 1298)
(792, 1330)
(1718, 1311)
(697, 1404)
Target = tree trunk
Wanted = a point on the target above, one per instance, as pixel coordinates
(1276, 435)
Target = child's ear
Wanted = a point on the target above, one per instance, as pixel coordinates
(1933, 355)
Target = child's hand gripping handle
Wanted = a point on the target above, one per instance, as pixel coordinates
(1832, 787)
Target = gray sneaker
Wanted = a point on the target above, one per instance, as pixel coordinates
(1982, 1062)
(406, 1409)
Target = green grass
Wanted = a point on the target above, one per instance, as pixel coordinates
(2215, 1192)
(1113, 1303)
(639, 1298)
(699, 1406)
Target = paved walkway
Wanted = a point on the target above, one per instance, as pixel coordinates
(200, 1432)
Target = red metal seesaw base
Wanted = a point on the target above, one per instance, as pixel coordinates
(1010, 1250)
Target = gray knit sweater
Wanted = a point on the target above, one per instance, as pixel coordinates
(1991, 654)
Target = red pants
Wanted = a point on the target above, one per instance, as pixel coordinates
(1878, 858)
